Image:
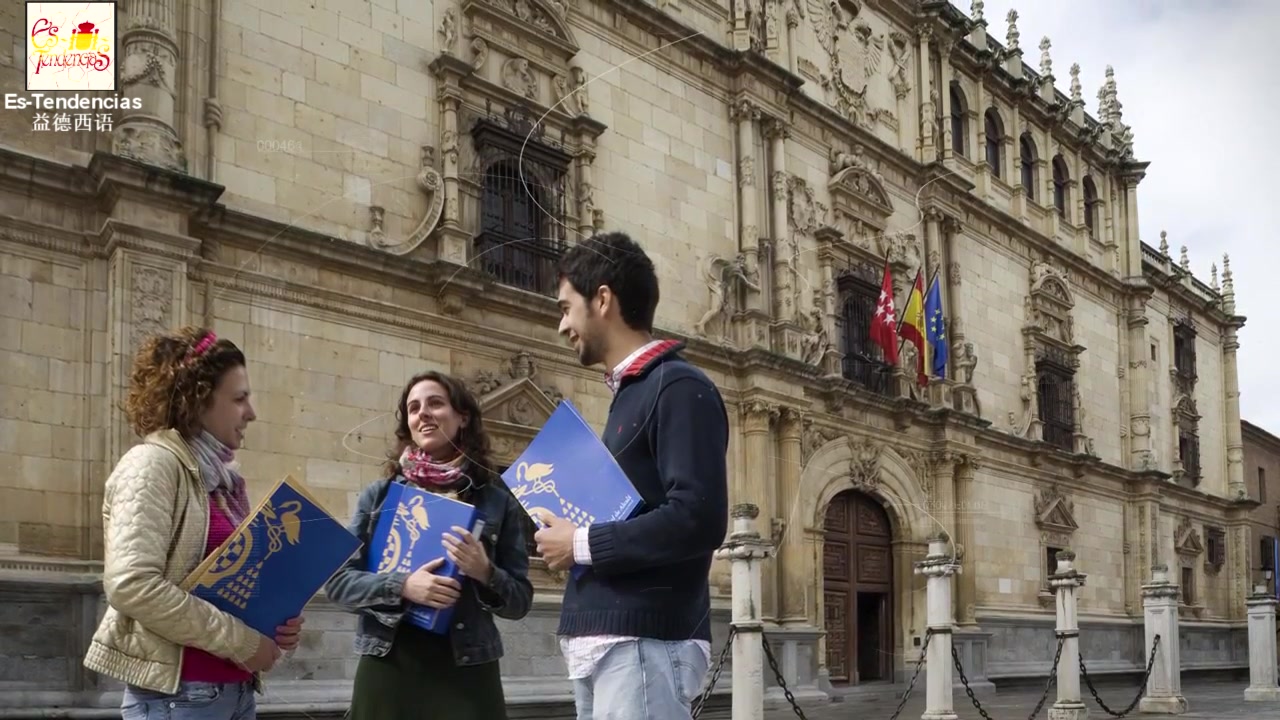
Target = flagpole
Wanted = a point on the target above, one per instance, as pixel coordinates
(898, 330)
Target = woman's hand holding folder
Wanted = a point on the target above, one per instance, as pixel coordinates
(424, 587)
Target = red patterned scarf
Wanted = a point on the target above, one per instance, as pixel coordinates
(420, 469)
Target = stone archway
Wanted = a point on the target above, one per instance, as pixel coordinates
(881, 475)
(857, 589)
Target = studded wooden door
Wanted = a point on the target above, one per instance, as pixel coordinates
(857, 588)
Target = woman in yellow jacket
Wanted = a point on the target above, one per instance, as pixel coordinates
(170, 501)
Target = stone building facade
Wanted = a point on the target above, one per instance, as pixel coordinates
(355, 191)
(1262, 470)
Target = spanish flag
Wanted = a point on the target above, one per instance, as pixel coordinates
(912, 327)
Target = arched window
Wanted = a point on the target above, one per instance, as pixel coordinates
(1027, 151)
(959, 112)
(1090, 206)
(995, 139)
(1060, 178)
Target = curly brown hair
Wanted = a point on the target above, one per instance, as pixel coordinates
(473, 439)
(170, 384)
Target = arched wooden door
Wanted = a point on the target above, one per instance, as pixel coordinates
(857, 586)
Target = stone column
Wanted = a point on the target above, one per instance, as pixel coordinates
(1262, 647)
(784, 301)
(944, 94)
(938, 567)
(757, 416)
(928, 99)
(793, 22)
(1231, 386)
(454, 239)
(148, 71)
(790, 564)
(745, 115)
(1066, 580)
(744, 550)
(967, 585)
(1138, 373)
(1160, 611)
(1133, 248)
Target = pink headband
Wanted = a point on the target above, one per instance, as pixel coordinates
(203, 345)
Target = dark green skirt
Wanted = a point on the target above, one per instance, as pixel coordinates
(418, 680)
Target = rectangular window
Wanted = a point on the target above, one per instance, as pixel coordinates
(1188, 586)
(863, 359)
(1262, 485)
(1055, 390)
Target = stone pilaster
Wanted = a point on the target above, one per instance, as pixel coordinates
(586, 194)
(792, 578)
(944, 94)
(784, 300)
(1160, 612)
(965, 517)
(757, 419)
(148, 73)
(928, 98)
(454, 240)
(1065, 582)
(1138, 375)
(745, 115)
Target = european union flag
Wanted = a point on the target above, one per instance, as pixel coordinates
(935, 329)
(268, 570)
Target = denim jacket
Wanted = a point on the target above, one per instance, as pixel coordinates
(376, 598)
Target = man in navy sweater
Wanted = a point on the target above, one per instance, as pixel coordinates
(635, 628)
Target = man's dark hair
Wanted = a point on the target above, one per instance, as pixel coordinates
(614, 259)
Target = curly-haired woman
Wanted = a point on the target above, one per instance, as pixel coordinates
(404, 671)
(172, 500)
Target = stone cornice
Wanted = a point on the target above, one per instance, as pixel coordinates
(114, 177)
(28, 175)
(1260, 436)
(48, 237)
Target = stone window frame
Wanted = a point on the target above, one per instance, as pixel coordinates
(1051, 351)
(1054, 516)
(1189, 548)
(1215, 549)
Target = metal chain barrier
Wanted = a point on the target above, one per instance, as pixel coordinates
(1151, 661)
(782, 683)
(701, 702)
(928, 635)
(1053, 677)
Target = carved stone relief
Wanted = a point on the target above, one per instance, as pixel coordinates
(518, 77)
(864, 68)
(479, 53)
(864, 463)
(1186, 539)
(815, 436)
(805, 212)
(448, 31)
(431, 182)
(727, 280)
(861, 205)
(151, 303)
(520, 366)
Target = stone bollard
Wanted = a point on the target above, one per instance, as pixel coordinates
(1066, 580)
(1160, 613)
(938, 566)
(1262, 647)
(744, 550)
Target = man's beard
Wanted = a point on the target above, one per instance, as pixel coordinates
(590, 354)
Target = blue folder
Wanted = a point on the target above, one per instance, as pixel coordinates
(273, 564)
(410, 533)
(568, 472)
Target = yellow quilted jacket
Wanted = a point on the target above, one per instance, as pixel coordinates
(155, 520)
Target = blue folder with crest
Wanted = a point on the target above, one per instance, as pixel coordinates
(568, 472)
(273, 564)
(410, 533)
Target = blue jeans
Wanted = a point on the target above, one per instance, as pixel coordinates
(642, 679)
(193, 701)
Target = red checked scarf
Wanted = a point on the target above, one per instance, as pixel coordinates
(420, 469)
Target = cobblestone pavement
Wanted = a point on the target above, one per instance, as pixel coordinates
(1217, 700)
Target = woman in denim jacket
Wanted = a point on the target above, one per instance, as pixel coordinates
(404, 671)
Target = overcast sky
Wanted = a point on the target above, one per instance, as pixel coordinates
(1198, 83)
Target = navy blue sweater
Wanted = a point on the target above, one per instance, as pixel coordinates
(669, 432)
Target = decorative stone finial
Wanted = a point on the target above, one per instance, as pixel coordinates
(1164, 244)
(975, 9)
(1011, 37)
(1046, 63)
(1077, 92)
(1228, 286)
(1213, 277)
(1184, 262)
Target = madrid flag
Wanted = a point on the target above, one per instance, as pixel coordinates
(882, 323)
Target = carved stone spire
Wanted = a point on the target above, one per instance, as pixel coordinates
(1213, 277)
(148, 71)
(975, 9)
(1011, 37)
(1228, 287)
(1077, 94)
(1046, 62)
(1110, 112)
(1184, 262)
